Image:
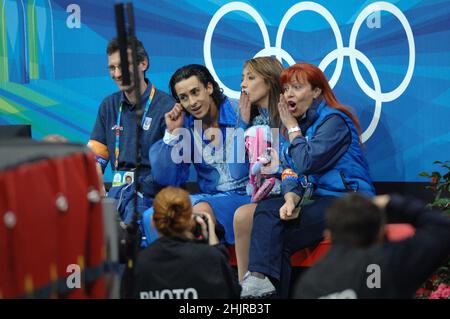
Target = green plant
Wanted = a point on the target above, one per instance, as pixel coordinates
(438, 285)
(440, 186)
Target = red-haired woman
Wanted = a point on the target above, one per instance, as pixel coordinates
(323, 151)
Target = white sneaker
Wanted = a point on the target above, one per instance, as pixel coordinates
(254, 287)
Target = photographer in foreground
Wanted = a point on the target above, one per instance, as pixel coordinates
(179, 264)
(362, 264)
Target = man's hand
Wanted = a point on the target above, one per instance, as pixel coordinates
(272, 167)
(175, 118)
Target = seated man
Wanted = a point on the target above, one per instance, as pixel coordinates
(360, 264)
(202, 133)
(113, 138)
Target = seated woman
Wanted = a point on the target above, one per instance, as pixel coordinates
(177, 265)
(324, 154)
(259, 106)
(260, 90)
(202, 131)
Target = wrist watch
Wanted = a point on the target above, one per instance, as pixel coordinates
(294, 129)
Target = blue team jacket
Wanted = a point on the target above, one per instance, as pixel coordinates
(351, 172)
(218, 170)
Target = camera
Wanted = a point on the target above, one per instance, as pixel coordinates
(197, 231)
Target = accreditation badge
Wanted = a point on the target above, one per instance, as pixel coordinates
(147, 123)
(122, 177)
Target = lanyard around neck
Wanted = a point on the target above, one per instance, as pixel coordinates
(147, 106)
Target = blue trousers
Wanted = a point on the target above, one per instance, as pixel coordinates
(274, 240)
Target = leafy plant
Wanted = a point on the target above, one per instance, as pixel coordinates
(440, 185)
(438, 285)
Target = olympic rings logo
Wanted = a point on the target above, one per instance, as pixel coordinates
(338, 54)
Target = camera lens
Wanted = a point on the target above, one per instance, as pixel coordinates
(197, 231)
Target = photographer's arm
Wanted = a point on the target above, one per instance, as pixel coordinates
(414, 259)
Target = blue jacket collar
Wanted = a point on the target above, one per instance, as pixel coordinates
(227, 116)
(311, 114)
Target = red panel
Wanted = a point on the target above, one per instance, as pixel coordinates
(45, 240)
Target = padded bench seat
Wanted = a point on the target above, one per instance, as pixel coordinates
(308, 256)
